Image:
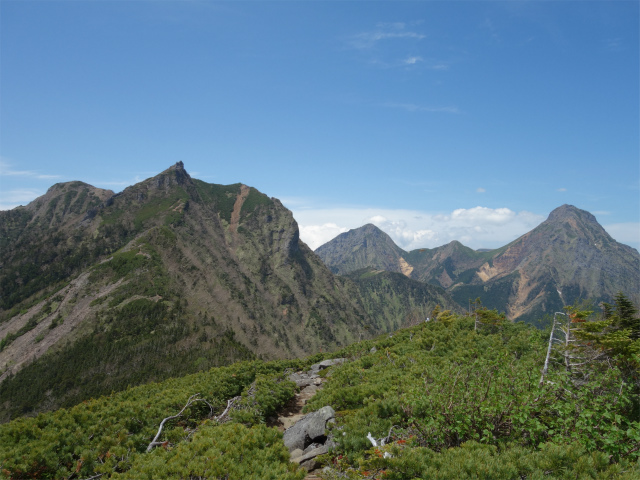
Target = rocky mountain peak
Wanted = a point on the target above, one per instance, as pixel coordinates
(567, 212)
(174, 175)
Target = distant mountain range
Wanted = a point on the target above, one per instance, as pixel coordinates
(173, 275)
(566, 258)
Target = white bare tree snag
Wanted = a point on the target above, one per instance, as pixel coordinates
(192, 399)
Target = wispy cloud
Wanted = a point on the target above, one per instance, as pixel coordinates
(384, 32)
(561, 189)
(480, 190)
(412, 60)
(613, 44)
(367, 40)
(6, 170)
(411, 107)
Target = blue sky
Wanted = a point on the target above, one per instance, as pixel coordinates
(435, 120)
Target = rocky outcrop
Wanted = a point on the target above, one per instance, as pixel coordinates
(309, 430)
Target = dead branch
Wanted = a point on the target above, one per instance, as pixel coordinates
(192, 399)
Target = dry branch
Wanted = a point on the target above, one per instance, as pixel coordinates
(192, 399)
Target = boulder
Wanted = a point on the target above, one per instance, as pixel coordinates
(310, 429)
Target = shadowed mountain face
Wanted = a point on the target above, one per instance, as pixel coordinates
(566, 258)
(367, 246)
(171, 276)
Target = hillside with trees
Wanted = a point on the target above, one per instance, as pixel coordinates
(464, 397)
(101, 291)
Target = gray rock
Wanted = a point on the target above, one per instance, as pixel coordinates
(311, 428)
(307, 460)
(326, 363)
(310, 465)
(301, 379)
(331, 442)
(313, 446)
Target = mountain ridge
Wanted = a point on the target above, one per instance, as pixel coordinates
(170, 276)
(567, 257)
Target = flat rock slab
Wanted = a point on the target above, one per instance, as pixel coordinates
(311, 454)
(301, 379)
(308, 460)
(324, 364)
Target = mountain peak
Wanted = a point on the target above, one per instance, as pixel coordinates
(565, 212)
(362, 247)
(176, 174)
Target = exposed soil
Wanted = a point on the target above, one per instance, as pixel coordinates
(292, 411)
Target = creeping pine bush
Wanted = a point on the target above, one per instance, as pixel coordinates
(231, 452)
(110, 435)
(452, 402)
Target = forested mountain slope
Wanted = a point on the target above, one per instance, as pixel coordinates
(171, 276)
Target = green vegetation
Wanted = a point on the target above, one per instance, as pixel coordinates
(136, 343)
(394, 300)
(451, 398)
(111, 435)
(253, 200)
(222, 197)
(456, 403)
(169, 206)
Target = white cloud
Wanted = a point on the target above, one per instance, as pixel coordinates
(439, 66)
(412, 60)
(316, 235)
(480, 190)
(369, 39)
(561, 190)
(478, 227)
(384, 31)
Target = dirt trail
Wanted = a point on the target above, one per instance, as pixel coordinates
(310, 383)
(292, 411)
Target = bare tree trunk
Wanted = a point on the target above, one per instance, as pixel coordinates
(546, 360)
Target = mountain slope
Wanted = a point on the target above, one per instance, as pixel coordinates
(400, 300)
(367, 246)
(566, 258)
(170, 276)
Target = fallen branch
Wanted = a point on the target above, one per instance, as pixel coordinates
(192, 399)
(230, 403)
